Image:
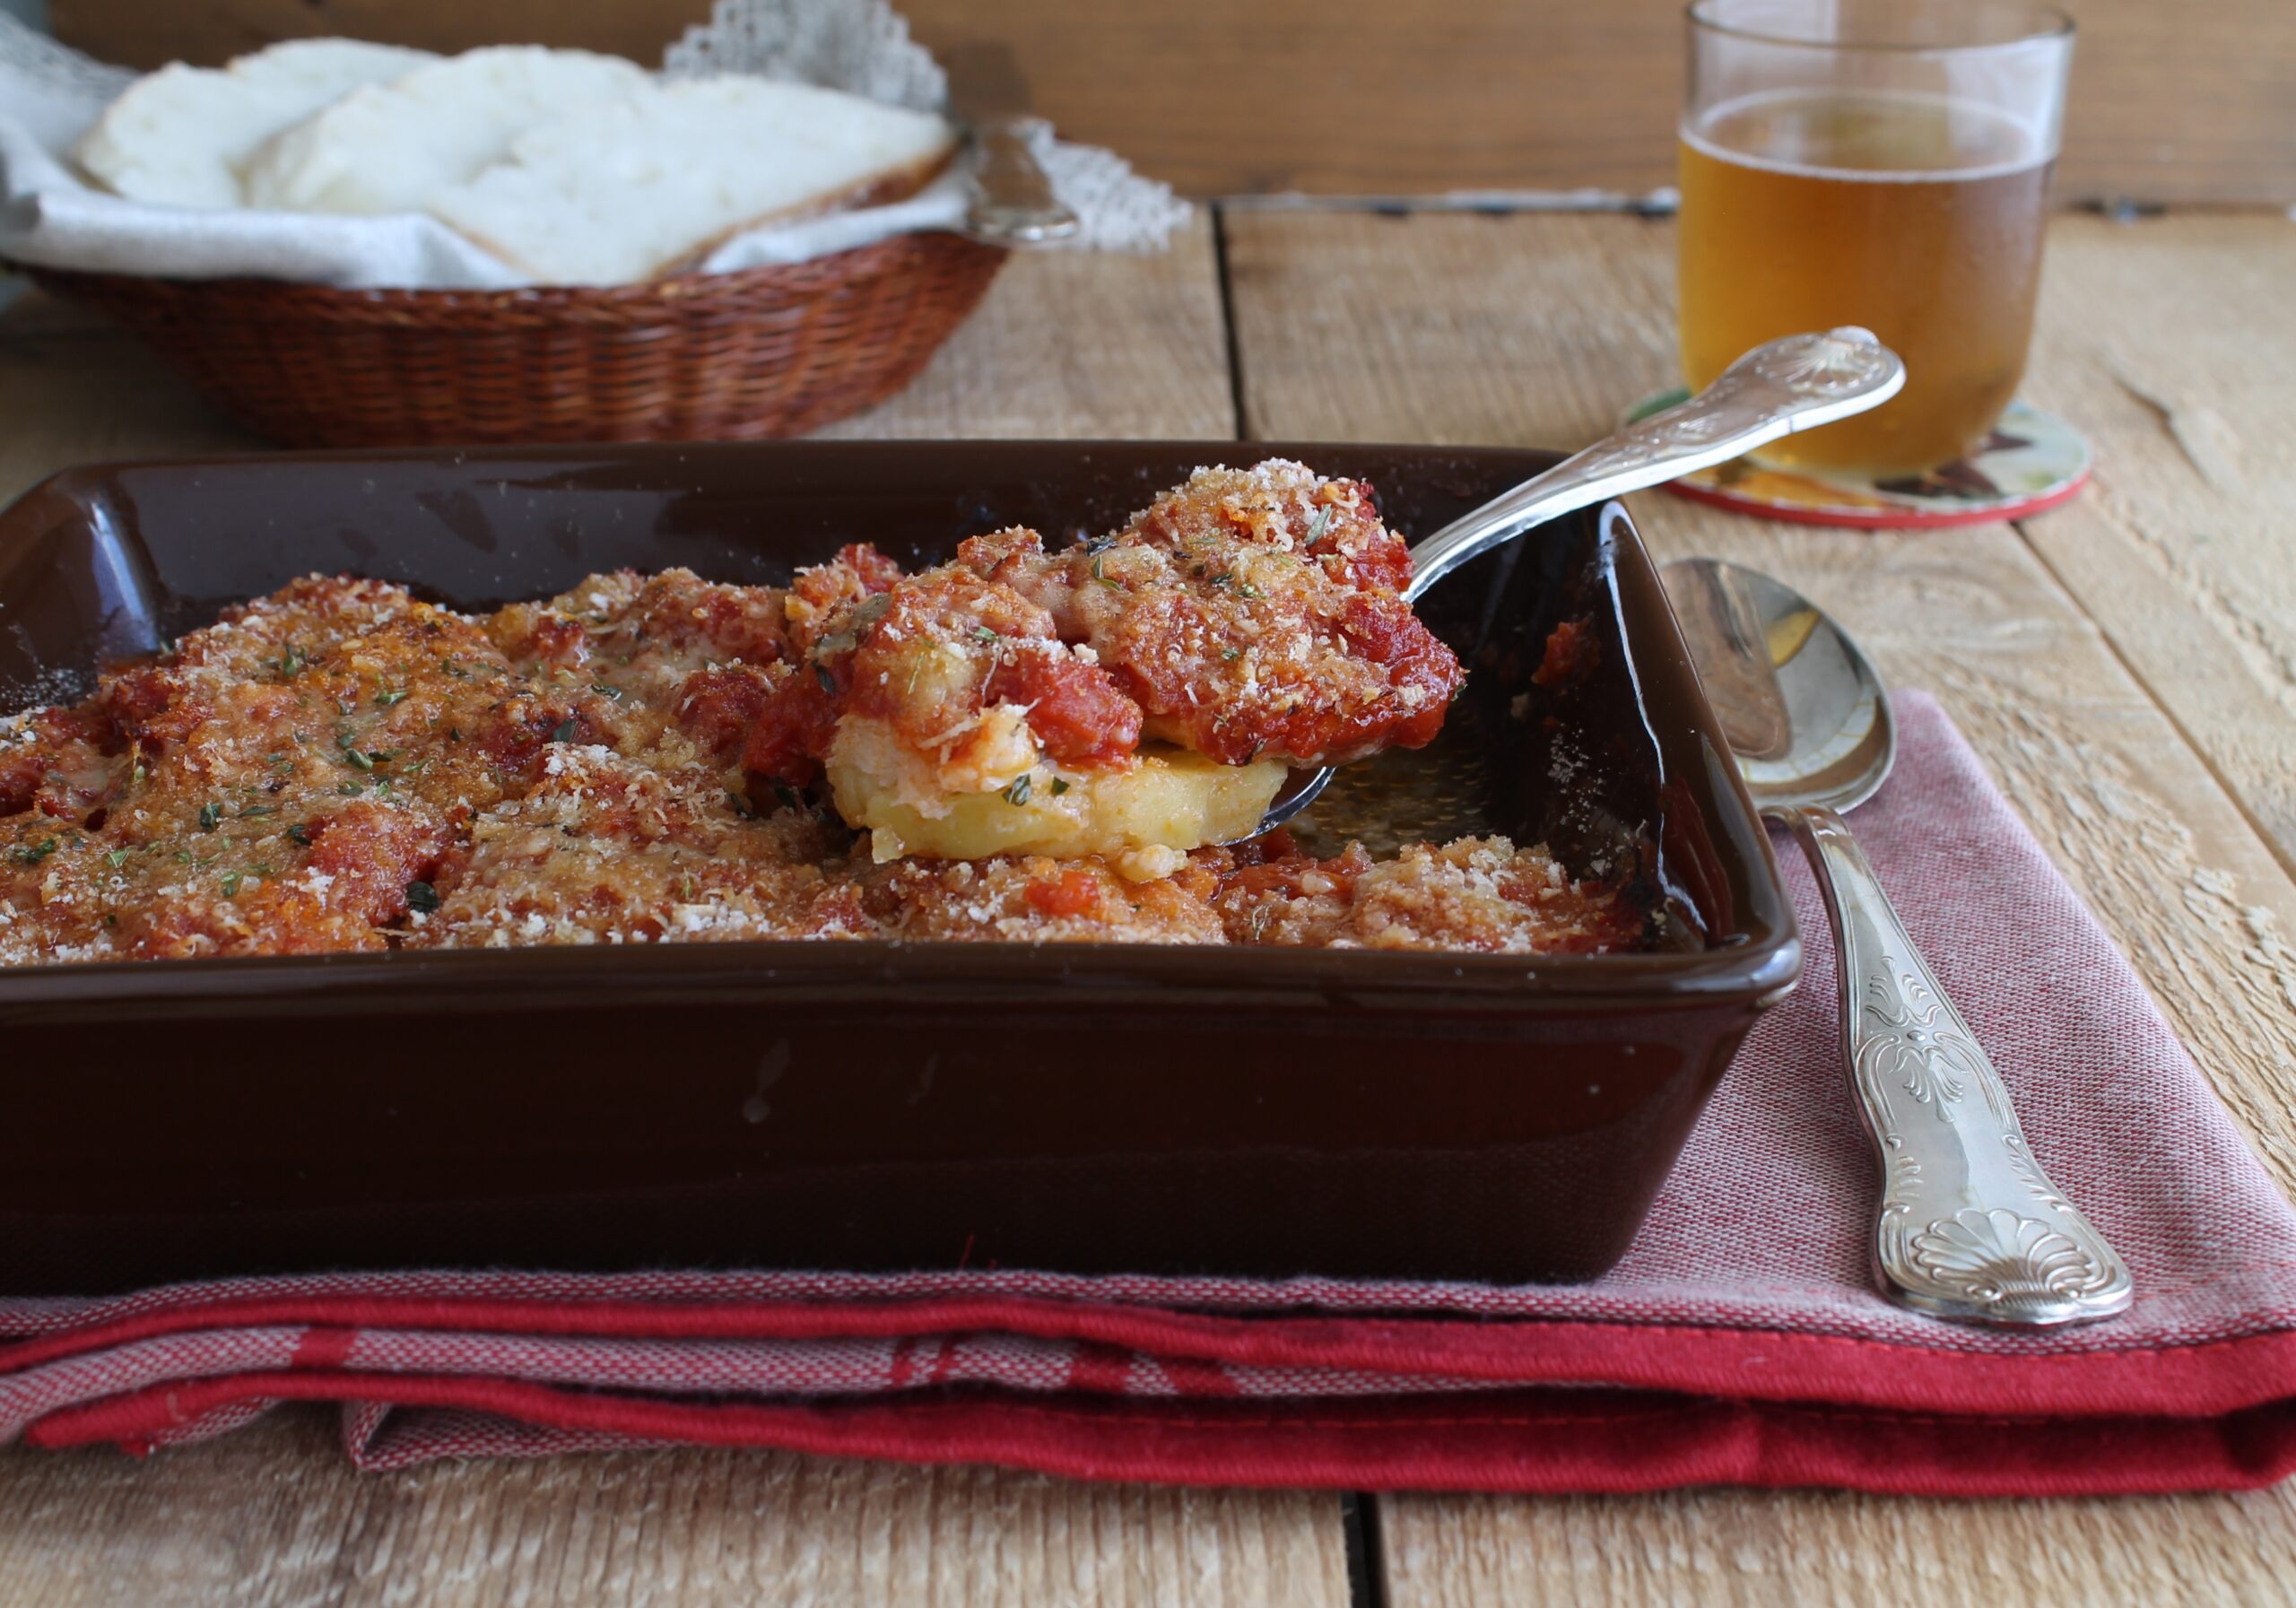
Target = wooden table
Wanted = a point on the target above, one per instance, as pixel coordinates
(2126, 665)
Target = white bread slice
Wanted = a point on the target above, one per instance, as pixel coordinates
(651, 182)
(389, 148)
(177, 136)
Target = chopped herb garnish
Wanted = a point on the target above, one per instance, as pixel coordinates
(290, 662)
(828, 682)
(136, 778)
(1018, 793)
(422, 896)
(116, 858)
(388, 699)
(567, 730)
(1059, 786)
(986, 635)
(209, 813)
(1317, 526)
(1103, 580)
(350, 789)
(299, 834)
(33, 854)
(1231, 653)
(254, 810)
(604, 690)
(356, 759)
(230, 884)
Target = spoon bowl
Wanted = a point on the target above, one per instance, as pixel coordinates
(1804, 712)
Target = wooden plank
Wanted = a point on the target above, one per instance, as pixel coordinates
(274, 1515)
(1761, 1549)
(1080, 344)
(1067, 343)
(1362, 97)
(72, 389)
(2182, 549)
(1538, 330)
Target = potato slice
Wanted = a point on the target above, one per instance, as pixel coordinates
(1141, 818)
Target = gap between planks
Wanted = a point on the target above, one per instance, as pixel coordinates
(1542, 362)
(1065, 345)
(1535, 331)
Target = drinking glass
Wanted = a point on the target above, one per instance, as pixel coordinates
(1880, 162)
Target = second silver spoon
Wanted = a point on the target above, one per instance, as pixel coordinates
(1968, 1226)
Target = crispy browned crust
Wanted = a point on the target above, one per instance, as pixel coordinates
(340, 766)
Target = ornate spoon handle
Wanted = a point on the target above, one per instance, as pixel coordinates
(1969, 1226)
(1794, 383)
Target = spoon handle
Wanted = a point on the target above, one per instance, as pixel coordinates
(1012, 203)
(1790, 385)
(1969, 1226)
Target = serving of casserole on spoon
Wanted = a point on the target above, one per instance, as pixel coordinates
(1134, 696)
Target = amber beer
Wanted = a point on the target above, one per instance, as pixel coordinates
(1918, 217)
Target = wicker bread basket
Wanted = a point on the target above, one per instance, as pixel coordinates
(764, 351)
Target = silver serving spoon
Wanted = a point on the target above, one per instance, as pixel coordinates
(1969, 1227)
(1011, 201)
(1794, 384)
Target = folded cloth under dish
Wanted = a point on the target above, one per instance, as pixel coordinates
(1741, 1339)
(50, 216)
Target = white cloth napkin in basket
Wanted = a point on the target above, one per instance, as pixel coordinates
(51, 216)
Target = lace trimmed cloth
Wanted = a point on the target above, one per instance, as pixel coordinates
(51, 216)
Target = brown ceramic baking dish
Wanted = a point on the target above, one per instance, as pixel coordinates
(872, 1104)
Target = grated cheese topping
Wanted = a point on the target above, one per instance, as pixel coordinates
(340, 766)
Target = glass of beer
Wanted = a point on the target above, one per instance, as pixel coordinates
(1881, 162)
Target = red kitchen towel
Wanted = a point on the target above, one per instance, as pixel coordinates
(1740, 1340)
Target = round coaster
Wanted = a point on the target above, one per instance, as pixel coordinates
(2031, 461)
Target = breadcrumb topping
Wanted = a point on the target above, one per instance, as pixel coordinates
(340, 766)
